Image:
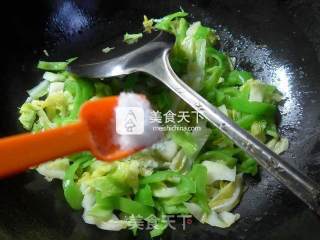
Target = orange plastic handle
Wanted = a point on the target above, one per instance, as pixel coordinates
(20, 152)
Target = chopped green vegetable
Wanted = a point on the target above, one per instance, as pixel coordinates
(81, 91)
(128, 206)
(102, 89)
(107, 49)
(147, 24)
(52, 66)
(219, 155)
(248, 165)
(199, 175)
(238, 78)
(161, 176)
(196, 172)
(256, 108)
(132, 38)
(108, 186)
(28, 115)
(71, 190)
(159, 227)
(186, 141)
(165, 23)
(144, 196)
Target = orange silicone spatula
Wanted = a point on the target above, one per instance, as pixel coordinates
(94, 131)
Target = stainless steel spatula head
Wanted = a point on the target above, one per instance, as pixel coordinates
(123, 58)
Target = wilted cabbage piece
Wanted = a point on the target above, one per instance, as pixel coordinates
(55, 169)
(219, 171)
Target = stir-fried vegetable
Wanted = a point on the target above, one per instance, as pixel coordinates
(72, 191)
(132, 38)
(195, 172)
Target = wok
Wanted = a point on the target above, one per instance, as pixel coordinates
(279, 41)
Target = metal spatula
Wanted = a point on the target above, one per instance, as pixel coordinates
(151, 55)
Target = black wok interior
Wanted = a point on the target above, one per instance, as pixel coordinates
(277, 40)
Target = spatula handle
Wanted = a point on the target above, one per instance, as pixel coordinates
(301, 185)
(20, 152)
